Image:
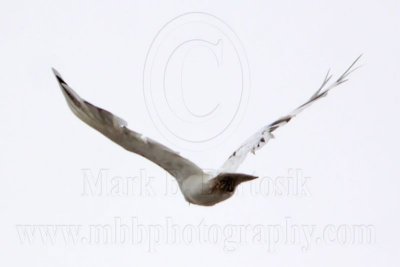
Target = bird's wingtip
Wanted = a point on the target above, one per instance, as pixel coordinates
(360, 56)
(58, 76)
(55, 71)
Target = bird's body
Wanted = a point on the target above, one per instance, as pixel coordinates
(197, 189)
(197, 186)
(207, 189)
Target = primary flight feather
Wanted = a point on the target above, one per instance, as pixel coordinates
(197, 186)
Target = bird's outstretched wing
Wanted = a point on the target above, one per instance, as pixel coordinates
(116, 129)
(259, 139)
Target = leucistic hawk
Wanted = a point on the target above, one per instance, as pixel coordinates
(198, 186)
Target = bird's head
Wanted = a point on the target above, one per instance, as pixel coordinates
(227, 182)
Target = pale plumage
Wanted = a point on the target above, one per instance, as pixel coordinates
(197, 186)
(260, 138)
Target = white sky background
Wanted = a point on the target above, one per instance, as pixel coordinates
(347, 144)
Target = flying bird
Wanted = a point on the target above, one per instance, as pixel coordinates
(197, 186)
